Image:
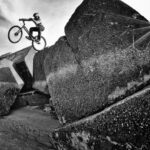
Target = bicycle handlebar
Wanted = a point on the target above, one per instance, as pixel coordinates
(22, 21)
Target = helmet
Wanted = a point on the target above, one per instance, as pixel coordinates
(36, 15)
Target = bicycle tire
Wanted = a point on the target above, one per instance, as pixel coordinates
(11, 33)
(34, 44)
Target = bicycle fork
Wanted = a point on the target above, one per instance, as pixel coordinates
(16, 33)
(23, 27)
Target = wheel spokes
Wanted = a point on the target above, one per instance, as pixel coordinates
(15, 34)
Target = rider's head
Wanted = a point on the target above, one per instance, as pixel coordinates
(36, 16)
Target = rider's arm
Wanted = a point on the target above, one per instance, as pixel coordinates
(26, 19)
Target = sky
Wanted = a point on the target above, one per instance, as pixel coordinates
(142, 6)
(54, 14)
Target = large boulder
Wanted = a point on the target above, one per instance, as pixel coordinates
(60, 66)
(103, 59)
(39, 76)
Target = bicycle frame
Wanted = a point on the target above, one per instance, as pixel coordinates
(27, 31)
(25, 28)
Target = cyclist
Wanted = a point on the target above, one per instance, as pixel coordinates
(38, 26)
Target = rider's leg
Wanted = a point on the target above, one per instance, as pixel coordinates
(31, 31)
(39, 34)
(35, 29)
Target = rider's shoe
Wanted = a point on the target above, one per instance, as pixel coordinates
(28, 37)
(38, 42)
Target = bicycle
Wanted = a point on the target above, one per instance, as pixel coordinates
(15, 34)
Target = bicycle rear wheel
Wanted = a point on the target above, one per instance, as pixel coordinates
(15, 34)
(39, 45)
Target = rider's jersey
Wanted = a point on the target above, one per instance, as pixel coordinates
(38, 23)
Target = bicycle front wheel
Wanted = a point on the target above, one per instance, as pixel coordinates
(39, 45)
(15, 34)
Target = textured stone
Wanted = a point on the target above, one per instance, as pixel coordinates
(8, 90)
(14, 75)
(28, 124)
(84, 17)
(11, 141)
(98, 64)
(8, 93)
(39, 76)
(33, 98)
(122, 126)
(60, 67)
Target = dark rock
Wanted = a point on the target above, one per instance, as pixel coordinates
(97, 64)
(84, 17)
(8, 90)
(122, 126)
(32, 98)
(8, 95)
(60, 65)
(11, 141)
(6, 75)
(28, 129)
